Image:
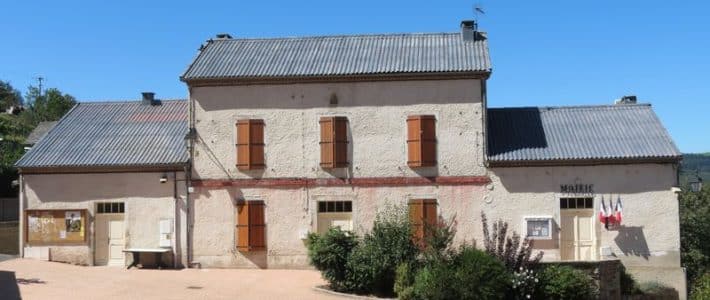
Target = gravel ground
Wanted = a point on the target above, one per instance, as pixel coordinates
(50, 280)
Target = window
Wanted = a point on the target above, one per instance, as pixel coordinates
(538, 227)
(333, 142)
(250, 144)
(251, 226)
(110, 208)
(421, 141)
(577, 203)
(422, 213)
(334, 214)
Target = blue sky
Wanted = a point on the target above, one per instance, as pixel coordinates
(543, 52)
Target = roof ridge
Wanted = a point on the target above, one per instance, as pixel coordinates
(588, 106)
(325, 36)
(127, 101)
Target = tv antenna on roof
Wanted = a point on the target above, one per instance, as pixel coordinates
(477, 10)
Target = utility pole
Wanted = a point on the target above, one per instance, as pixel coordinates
(40, 79)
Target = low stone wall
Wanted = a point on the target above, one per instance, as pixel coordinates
(606, 274)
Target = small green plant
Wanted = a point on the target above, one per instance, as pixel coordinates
(628, 284)
(330, 253)
(525, 284)
(564, 282)
(701, 288)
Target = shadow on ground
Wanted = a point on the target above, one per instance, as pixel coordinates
(8, 286)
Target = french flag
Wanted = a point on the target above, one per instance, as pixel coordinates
(618, 210)
(604, 214)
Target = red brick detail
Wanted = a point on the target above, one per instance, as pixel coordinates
(360, 182)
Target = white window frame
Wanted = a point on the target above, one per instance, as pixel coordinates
(537, 218)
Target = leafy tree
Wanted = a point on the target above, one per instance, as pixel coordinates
(9, 96)
(695, 232)
(50, 106)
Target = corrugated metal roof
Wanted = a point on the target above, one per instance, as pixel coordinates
(114, 134)
(339, 56)
(578, 133)
(39, 132)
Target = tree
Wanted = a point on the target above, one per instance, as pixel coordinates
(50, 106)
(9, 96)
(695, 232)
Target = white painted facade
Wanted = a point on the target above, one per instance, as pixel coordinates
(146, 200)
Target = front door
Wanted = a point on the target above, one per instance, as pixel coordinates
(110, 240)
(577, 235)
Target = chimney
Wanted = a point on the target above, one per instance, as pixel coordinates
(469, 30)
(223, 36)
(149, 98)
(630, 99)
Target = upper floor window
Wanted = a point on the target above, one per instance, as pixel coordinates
(421, 141)
(333, 142)
(250, 144)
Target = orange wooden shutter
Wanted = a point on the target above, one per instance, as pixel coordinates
(422, 213)
(257, 226)
(251, 226)
(242, 230)
(334, 142)
(421, 141)
(250, 144)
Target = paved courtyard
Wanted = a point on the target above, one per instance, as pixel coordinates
(50, 280)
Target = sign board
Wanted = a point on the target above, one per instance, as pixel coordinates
(55, 226)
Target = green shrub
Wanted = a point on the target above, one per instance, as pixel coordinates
(657, 290)
(508, 249)
(469, 274)
(373, 264)
(330, 253)
(628, 284)
(404, 280)
(564, 282)
(701, 288)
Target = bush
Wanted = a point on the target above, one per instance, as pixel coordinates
(564, 282)
(372, 265)
(628, 284)
(508, 250)
(657, 290)
(330, 253)
(470, 274)
(701, 288)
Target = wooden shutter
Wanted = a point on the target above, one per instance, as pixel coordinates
(251, 226)
(421, 141)
(250, 144)
(334, 142)
(422, 212)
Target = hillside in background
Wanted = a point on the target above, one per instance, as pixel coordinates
(692, 163)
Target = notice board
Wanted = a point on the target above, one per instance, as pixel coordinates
(55, 226)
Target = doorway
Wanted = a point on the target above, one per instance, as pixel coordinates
(578, 238)
(109, 237)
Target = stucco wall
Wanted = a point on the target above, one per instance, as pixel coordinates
(648, 243)
(146, 202)
(376, 111)
(291, 213)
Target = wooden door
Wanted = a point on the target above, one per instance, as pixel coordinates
(109, 240)
(578, 235)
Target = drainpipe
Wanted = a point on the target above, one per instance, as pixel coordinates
(21, 217)
(176, 223)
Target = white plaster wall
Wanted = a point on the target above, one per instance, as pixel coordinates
(290, 213)
(649, 242)
(146, 202)
(376, 111)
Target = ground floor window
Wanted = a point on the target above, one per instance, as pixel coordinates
(422, 213)
(334, 214)
(251, 226)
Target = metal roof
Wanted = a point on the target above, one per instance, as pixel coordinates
(114, 134)
(39, 132)
(578, 133)
(339, 56)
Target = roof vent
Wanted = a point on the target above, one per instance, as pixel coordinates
(469, 30)
(631, 99)
(223, 36)
(149, 99)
